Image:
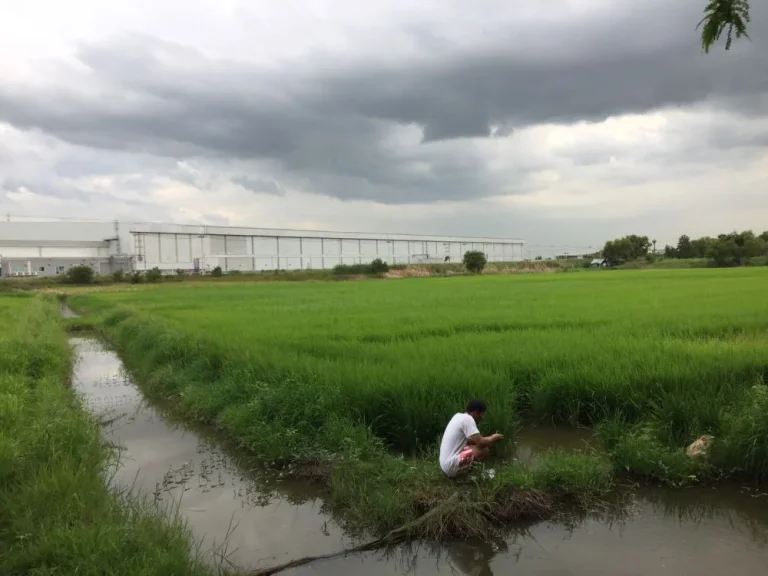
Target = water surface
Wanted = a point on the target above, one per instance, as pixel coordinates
(181, 468)
(696, 532)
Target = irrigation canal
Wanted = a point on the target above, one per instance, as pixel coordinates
(265, 520)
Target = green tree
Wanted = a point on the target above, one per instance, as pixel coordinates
(639, 246)
(753, 247)
(474, 261)
(729, 16)
(700, 246)
(217, 272)
(724, 252)
(736, 248)
(626, 248)
(684, 249)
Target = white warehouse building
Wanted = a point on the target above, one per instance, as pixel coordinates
(50, 248)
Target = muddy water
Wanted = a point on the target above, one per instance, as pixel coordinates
(534, 442)
(66, 311)
(699, 532)
(696, 531)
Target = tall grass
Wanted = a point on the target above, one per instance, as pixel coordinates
(678, 350)
(56, 514)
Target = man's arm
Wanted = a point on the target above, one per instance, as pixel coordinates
(479, 440)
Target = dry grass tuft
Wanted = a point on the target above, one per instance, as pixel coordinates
(409, 272)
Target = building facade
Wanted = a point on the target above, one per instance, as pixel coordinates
(51, 248)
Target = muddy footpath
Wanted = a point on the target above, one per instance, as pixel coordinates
(248, 518)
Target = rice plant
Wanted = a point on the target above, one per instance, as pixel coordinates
(281, 365)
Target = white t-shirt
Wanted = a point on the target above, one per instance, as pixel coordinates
(455, 437)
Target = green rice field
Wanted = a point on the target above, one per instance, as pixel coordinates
(652, 359)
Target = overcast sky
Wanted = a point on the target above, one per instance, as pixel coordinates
(564, 122)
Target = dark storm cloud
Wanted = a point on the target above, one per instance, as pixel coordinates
(326, 127)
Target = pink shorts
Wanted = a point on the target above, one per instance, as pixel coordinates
(465, 457)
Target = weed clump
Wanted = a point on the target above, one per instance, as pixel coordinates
(376, 267)
(154, 275)
(637, 451)
(743, 445)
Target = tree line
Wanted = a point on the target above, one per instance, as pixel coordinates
(732, 249)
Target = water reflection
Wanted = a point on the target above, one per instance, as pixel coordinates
(474, 558)
(233, 507)
(698, 531)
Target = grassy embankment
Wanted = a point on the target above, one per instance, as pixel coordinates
(56, 514)
(336, 378)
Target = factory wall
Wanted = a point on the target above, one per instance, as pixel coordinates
(188, 247)
(50, 266)
(58, 266)
(249, 253)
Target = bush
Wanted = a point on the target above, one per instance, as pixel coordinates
(136, 278)
(474, 261)
(378, 266)
(638, 451)
(80, 275)
(350, 269)
(180, 272)
(118, 275)
(217, 272)
(154, 275)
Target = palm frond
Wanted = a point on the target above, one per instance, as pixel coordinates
(729, 16)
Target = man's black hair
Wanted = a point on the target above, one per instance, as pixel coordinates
(476, 405)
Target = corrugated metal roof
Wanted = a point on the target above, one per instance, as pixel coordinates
(293, 233)
(89, 231)
(47, 243)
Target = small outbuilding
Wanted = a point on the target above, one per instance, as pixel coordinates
(599, 263)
